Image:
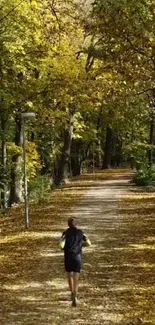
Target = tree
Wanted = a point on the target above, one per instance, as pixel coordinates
(24, 40)
(123, 40)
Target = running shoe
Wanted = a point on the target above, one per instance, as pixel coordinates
(74, 301)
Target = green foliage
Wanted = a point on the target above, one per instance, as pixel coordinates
(13, 149)
(136, 152)
(144, 176)
(40, 189)
(33, 160)
(49, 66)
(4, 177)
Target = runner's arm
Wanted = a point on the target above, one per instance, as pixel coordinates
(62, 241)
(86, 240)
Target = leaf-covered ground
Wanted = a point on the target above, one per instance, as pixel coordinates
(117, 281)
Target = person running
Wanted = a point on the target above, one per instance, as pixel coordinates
(71, 242)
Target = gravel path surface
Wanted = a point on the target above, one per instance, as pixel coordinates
(104, 282)
(112, 288)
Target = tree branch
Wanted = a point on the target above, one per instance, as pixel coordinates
(145, 91)
(18, 104)
(11, 11)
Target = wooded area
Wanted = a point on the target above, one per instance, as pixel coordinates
(86, 69)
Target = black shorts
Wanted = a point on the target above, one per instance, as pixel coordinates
(73, 263)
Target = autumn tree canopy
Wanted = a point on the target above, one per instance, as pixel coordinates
(87, 70)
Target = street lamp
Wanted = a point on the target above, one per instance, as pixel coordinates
(24, 117)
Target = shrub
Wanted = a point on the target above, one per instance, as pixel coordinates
(144, 176)
(40, 189)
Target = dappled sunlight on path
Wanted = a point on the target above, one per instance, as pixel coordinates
(117, 281)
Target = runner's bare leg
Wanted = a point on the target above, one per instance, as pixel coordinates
(70, 281)
(75, 282)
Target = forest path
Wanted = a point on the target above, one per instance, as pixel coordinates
(34, 289)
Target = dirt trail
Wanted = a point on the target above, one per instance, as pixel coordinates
(36, 291)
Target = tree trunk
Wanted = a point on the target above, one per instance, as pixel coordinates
(151, 142)
(4, 160)
(108, 149)
(62, 174)
(99, 154)
(76, 167)
(76, 163)
(116, 151)
(76, 157)
(16, 191)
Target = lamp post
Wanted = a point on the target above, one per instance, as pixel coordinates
(24, 117)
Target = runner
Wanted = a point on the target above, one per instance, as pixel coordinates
(71, 242)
